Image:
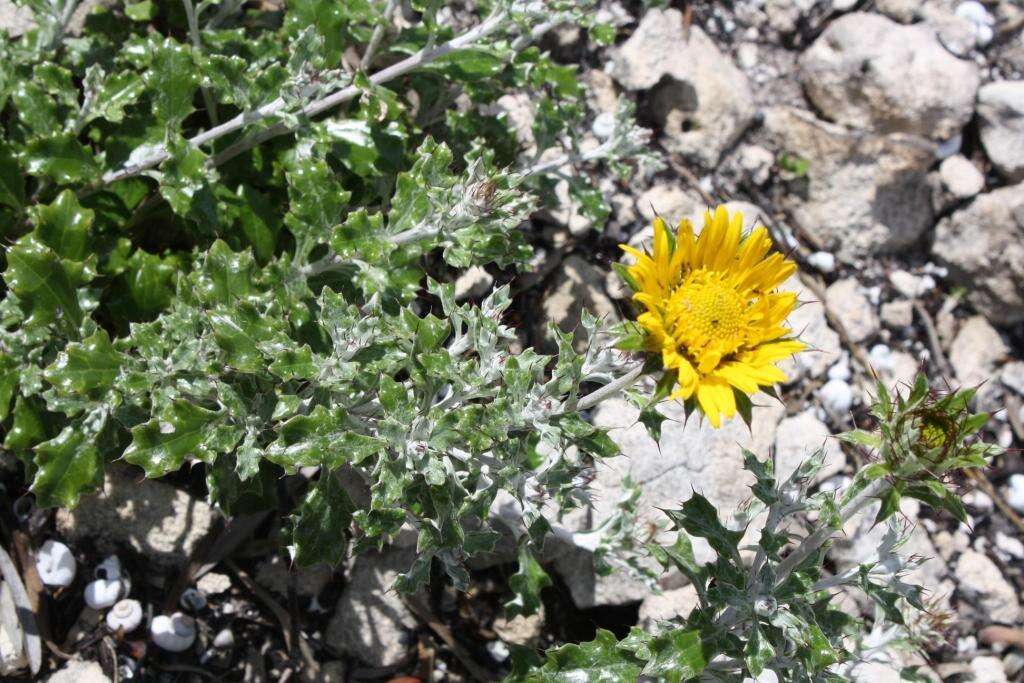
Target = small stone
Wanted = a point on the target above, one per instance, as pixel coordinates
(983, 247)
(897, 314)
(371, 622)
(677, 602)
(757, 162)
(747, 55)
(1001, 116)
(841, 370)
(1011, 546)
(521, 629)
(79, 672)
(276, 575)
(983, 584)
(797, 438)
(961, 177)
(670, 201)
(213, 583)
(867, 71)
(979, 501)
(701, 100)
(836, 398)
(823, 342)
(474, 283)
(910, 285)
(988, 670)
(848, 302)
(975, 351)
(153, 518)
(578, 285)
(224, 640)
(1014, 492)
(823, 261)
(1012, 375)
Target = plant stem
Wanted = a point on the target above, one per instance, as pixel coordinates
(378, 34)
(825, 532)
(161, 154)
(197, 44)
(610, 389)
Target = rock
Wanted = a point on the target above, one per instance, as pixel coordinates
(836, 398)
(983, 584)
(213, 583)
(982, 245)
(975, 352)
(702, 101)
(809, 323)
(896, 369)
(79, 672)
(691, 456)
(960, 177)
(799, 436)
(988, 670)
(13, 657)
(756, 162)
(863, 194)
(910, 285)
(474, 283)
(874, 672)
(275, 575)
(15, 19)
(1010, 546)
(823, 261)
(898, 314)
(869, 72)
(1014, 492)
(904, 11)
(154, 519)
(521, 629)
(370, 621)
(1012, 375)
(848, 302)
(668, 200)
(784, 15)
(578, 285)
(1001, 118)
(677, 602)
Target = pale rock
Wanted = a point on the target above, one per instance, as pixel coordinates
(869, 72)
(982, 245)
(275, 575)
(823, 261)
(960, 177)
(520, 629)
(1010, 546)
(747, 55)
(874, 672)
(988, 669)
(784, 15)
(12, 639)
(904, 11)
(756, 161)
(809, 323)
(1014, 492)
(154, 519)
(841, 369)
(863, 194)
(797, 437)
(983, 585)
(975, 352)
(836, 397)
(473, 283)
(601, 93)
(1012, 375)
(897, 314)
(371, 622)
(848, 302)
(1001, 118)
(668, 200)
(702, 100)
(578, 285)
(950, 544)
(677, 602)
(214, 583)
(76, 671)
(518, 109)
(980, 19)
(978, 500)
(910, 285)
(691, 456)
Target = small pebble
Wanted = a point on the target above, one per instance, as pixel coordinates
(1010, 545)
(1015, 492)
(224, 639)
(836, 397)
(823, 261)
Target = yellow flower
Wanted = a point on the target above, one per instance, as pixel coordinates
(713, 311)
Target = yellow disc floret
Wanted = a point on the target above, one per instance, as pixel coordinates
(712, 309)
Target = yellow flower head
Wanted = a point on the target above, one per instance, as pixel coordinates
(713, 311)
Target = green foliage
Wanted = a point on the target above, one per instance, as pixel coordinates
(224, 253)
(776, 612)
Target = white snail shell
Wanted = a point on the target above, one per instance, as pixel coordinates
(109, 569)
(125, 615)
(192, 600)
(103, 593)
(174, 633)
(55, 564)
